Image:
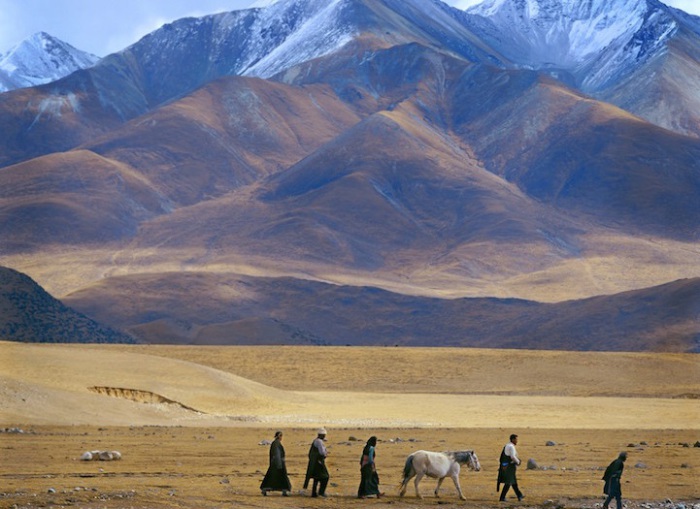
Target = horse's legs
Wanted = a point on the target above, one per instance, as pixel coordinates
(437, 488)
(419, 476)
(404, 485)
(455, 478)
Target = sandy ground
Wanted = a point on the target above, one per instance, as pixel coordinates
(222, 467)
(189, 420)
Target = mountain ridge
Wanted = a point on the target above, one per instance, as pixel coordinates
(295, 311)
(415, 159)
(30, 314)
(39, 59)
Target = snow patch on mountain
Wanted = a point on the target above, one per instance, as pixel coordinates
(40, 59)
(313, 30)
(596, 40)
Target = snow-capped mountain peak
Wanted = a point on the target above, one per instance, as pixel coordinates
(595, 38)
(313, 30)
(39, 59)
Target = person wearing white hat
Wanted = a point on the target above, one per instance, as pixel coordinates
(316, 468)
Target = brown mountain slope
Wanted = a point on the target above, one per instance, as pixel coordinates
(270, 178)
(28, 313)
(230, 309)
(226, 135)
(421, 197)
(664, 90)
(557, 145)
(187, 152)
(581, 155)
(73, 198)
(58, 116)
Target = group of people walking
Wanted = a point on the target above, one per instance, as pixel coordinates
(277, 479)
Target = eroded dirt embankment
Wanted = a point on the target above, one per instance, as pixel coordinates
(138, 395)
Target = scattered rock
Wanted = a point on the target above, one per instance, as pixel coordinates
(353, 439)
(640, 465)
(550, 443)
(101, 455)
(264, 442)
(697, 444)
(531, 464)
(51, 490)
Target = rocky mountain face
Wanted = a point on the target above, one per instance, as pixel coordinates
(30, 314)
(399, 148)
(40, 59)
(627, 52)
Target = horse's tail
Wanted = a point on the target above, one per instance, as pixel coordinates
(407, 468)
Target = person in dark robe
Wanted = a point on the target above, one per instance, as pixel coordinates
(276, 478)
(369, 479)
(612, 476)
(316, 468)
(507, 465)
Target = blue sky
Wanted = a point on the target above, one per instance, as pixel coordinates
(105, 26)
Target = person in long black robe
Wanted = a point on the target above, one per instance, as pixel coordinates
(276, 478)
(612, 477)
(369, 479)
(316, 469)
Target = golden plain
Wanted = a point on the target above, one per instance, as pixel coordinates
(191, 422)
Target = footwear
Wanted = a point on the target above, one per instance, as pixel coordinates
(264, 493)
(521, 497)
(285, 493)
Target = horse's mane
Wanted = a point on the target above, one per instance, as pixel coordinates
(460, 456)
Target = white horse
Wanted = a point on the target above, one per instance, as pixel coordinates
(437, 465)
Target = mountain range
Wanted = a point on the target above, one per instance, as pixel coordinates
(538, 150)
(40, 59)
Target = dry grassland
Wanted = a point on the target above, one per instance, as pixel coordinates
(593, 405)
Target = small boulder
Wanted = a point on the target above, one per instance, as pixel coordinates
(531, 464)
(550, 443)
